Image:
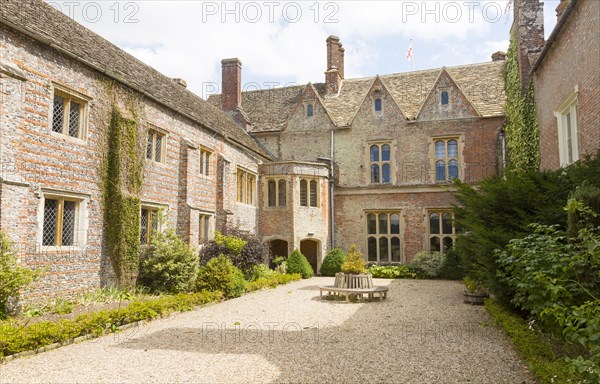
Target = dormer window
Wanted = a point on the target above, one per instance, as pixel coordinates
(377, 105)
(444, 98)
(310, 110)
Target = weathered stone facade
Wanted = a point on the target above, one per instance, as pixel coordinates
(569, 68)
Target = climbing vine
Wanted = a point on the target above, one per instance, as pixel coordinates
(122, 181)
(522, 129)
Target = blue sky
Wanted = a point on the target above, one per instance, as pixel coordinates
(283, 42)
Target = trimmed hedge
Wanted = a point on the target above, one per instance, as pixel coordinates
(272, 282)
(15, 338)
(538, 352)
(392, 272)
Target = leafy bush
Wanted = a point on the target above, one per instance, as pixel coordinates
(219, 274)
(13, 277)
(428, 263)
(168, 264)
(500, 209)
(354, 262)
(452, 266)
(583, 209)
(272, 282)
(261, 271)
(333, 261)
(391, 272)
(243, 249)
(18, 338)
(297, 263)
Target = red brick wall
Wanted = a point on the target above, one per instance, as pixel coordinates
(573, 60)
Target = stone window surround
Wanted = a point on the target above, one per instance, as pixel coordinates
(442, 90)
(460, 139)
(162, 209)
(70, 94)
(205, 156)
(277, 179)
(250, 178)
(81, 217)
(165, 139)
(388, 235)
(441, 235)
(367, 160)
(568, 107)
(205, 227)
(309, 202)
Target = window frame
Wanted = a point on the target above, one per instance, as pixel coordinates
(380, 162)
(310, 110)
(567, 118)
(375, 102)
(388, 235)
(155, 132)
(246, 190)
(80, 225)
(441, 235)
(69, 96)
(447, 159)
(277, 203)
(307, 193)
(205, 161)
(441, 97)
(156, 209)
(205, 232)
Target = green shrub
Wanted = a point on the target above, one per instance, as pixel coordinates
(583, 209)
(354, 262)
(219, 274)
(333, 261)
(297, 263)
(243, 249)
(544, 358)
(261, 271)
(452, 266)
(13, 277)
(168, 264)
(391, 272)
(272, 282)
(15, 338)
(429, 263)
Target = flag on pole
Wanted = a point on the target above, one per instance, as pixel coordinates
(409, 55)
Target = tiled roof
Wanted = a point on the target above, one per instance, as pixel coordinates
(47, 25)
(481, 83)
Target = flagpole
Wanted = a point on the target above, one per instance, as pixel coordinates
(412, 60)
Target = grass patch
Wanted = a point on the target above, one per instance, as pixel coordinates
(545, 355)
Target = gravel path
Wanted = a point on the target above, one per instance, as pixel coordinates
(422, 333)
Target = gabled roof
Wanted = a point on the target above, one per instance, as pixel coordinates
(44, 23)
(482, 84)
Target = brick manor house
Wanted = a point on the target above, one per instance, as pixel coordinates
(366, 161)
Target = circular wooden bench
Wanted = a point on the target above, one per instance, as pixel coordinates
(354, 285)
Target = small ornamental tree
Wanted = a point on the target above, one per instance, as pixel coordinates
(332, 263)
(297, 263)
(354, 263)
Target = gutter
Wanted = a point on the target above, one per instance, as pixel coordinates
(553, 36)
(121, 80)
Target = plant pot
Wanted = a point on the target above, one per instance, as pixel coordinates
(474, 298)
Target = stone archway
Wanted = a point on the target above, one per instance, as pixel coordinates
(278, 248)
(310, 249)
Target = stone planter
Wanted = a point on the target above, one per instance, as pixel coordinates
(475, 298)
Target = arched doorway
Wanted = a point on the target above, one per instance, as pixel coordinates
(278, 248)
(310, 249)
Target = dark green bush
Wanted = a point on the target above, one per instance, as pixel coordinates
(428, 263)
(13, 277)
(452, 267)
(588, 196)
(297, 263)
(168, 264)
(261, 271)
(333, 261)
(219, 274)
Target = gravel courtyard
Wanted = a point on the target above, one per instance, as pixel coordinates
(423, 333)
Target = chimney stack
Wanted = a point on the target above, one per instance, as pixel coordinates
(561, 8)
(231, 84)
(335, 64)
(529, 24)
(499, 56)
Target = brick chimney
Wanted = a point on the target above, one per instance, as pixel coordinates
(231, 86)
(528, 25)
(499, 56)
(561, 8)
(335, 64)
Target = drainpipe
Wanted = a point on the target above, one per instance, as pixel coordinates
(331, 184)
